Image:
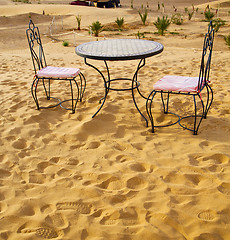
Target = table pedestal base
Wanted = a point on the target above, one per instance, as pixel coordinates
(107, 84)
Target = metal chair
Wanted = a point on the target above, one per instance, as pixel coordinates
(47, 73)
(186, 86)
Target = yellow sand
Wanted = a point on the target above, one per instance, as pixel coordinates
(68, 176)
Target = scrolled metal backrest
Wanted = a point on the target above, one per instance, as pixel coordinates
(206, 57)
(36, 49)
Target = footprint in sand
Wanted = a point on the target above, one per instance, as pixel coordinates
(225, 216)
(4, 174)
(224, 188)
(37, 178)
(120, 132)
(208, 236)
(138, 146)
(26, 210)
(110, 220)
(113, 183)
(219, 158)
(137, 167)
(207, 215)
(42, 166)
(97, 213)
(57, 220)
(123, 158)
(54, 159)
(136, 183)
(20, 144)
(117, 199)
(47, 209)
(63, 172)
(93, 145)
(41, 231)
(204, 144)
(128, 217)
(78, 206)
(47, 233)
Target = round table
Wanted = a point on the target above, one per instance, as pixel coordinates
(119, 50)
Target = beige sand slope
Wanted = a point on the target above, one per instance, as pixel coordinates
(67, 176)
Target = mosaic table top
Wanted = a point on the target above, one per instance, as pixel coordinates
(119, 49)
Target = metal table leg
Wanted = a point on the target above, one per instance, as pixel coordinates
(135, 85)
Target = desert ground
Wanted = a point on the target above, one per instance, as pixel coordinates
(70, 176)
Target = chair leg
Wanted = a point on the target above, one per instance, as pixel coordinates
(47, 92)
(209, 101)
(74, 105)
(83, 85)
(149, 107)
(197, 124)
(71, 88)
(165, 106)
(34, 91)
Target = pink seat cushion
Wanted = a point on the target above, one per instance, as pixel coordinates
(177, 83)
(58, 72)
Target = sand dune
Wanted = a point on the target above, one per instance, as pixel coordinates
(68, 176)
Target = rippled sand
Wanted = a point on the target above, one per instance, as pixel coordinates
(68, 176)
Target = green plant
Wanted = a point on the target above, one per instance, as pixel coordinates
(177, 19)
(208, 15)
(65, 43)
(163, 7)
(120, 23)
(217, 23)
(227, 40)
(24, 1)
(193, 8)
(174, 33)
(158, 6)
(190, 14)
(143, 16)
(162, 24)
(140, 35)
(131, 3)
(78, 17)
(96, 28)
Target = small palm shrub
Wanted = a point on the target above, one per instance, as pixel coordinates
(227, 40)
(190, 14)
(96, 28)
(120, 23)
(143, 16)
(78, 17)
(177, 19)
(162, 24)
(217, 23)
(163, 7)
(208, 15)
(140, 35)
(65, 43)
(158, 6)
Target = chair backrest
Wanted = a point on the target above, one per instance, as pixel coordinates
(206, 57)
(36, 49)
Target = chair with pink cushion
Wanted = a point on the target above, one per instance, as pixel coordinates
(186, 86)
(46, 73)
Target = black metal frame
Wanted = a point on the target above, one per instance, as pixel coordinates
(39, 62)
(135, 85)
(203, 83)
